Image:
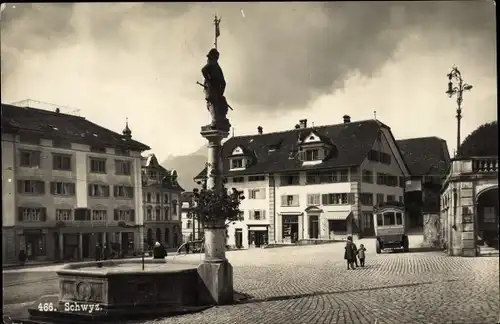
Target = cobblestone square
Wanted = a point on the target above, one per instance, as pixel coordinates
(310, 284)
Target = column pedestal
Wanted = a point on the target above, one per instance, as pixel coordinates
(215, 272)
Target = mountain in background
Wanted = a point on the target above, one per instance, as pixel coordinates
(187, 166)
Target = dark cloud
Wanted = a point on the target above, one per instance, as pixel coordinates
(285, 52)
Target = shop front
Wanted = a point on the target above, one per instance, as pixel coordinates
(257, 235)
(35, 244)
(290, 228)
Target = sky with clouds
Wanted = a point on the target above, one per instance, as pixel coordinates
(282, 62)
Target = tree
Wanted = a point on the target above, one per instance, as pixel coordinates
(212, 208)
(481, 142)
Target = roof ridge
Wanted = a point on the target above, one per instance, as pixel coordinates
(419, 138)
(309, 128)
(45, 111)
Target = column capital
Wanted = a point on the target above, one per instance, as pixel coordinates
(213, 134)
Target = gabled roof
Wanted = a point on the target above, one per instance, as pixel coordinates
(50, 124)
(353, 141)
(425, 155)
(169, 182)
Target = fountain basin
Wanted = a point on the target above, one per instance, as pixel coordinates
(120, 289)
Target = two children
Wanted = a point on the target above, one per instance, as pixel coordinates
(351, 252)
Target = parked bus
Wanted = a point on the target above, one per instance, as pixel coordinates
(391, 226)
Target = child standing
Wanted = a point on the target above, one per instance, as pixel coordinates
(361, 255)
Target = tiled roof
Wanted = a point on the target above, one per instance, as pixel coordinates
(425, 155)
(481, 142)
(151, 162)
(51, 124)
(352, 140)
(187, 196)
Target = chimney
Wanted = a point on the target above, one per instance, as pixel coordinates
(347, 119)
(303, 123)
(259, 130)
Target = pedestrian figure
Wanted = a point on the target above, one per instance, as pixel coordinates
(105, 252)
(98, 252)
(158, 251)
(350, 253)
(356, 251)
(22, 257)
(187, 247)
(361, 255)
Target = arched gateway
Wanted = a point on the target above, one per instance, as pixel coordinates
(488, 217)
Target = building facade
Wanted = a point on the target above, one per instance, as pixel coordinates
(428, 159)
(469, 196)
(68, 184)
(192, 229)
(312, 182)
(162, 204)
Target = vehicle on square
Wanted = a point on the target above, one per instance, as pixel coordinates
(391, 226)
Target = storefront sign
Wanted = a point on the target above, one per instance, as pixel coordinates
(290, 219)
(257, 228)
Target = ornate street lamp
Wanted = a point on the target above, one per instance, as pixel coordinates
(457, 86)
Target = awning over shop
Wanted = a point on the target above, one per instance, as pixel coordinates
(343, 215)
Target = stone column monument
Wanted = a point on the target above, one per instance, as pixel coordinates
(215, 272)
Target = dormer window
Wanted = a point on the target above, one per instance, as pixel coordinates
(238, 159)
(311, 155)
(237, 163)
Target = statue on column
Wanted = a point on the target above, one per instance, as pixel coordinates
(214, 86)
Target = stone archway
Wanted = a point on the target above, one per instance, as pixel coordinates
(488, 217)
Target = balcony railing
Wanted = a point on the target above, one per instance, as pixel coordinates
(484, 164)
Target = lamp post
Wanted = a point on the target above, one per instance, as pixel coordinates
(457, 86)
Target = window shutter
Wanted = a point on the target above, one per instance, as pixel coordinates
(324, 199)
(20, 186)
(35, 159)
(52, 187)
(131, 193)
(43, 214)
(115, 191)
(263, 193)
(351, 198)
(72, 189)
(40, 187)
(88, 214)
(105, 190)
(283, 201)
(89, 188)
(115, 216)
(20, 211)
(251, 214)
(132, 216)
(263, 214)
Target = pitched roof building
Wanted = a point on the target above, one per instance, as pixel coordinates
(348, 145)
(312, 182)
(69, 184)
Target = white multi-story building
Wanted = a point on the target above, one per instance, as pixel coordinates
(191, 228)
(68, 184)
(312, 182)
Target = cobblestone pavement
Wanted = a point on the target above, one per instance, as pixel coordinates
(310, 284)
